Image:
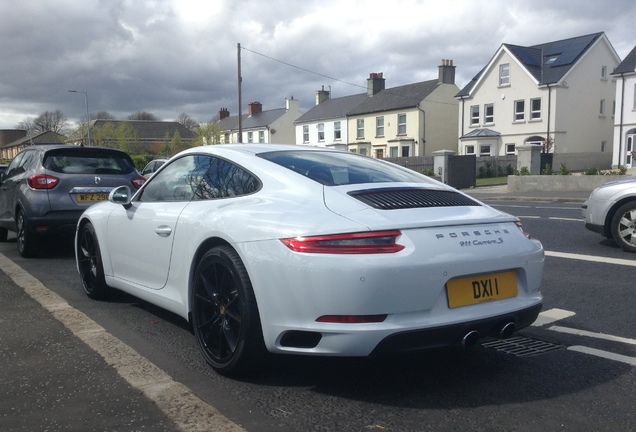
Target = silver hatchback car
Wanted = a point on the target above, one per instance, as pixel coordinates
(45, 189)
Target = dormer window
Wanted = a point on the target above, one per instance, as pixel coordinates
(550, 59)
(504, 74)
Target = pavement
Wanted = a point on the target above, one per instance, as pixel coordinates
(500, 193)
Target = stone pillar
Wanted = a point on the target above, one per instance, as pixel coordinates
(440, 164)
(529, 156)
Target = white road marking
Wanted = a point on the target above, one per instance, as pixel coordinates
(593, 335)
(566, 219)
(560, 208)
(529, 217)
(184, 408)
(591, 258)
(604, 354)
(552, 315)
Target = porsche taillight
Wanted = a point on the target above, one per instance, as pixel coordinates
(376, 242)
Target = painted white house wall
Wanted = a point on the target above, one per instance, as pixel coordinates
(330, 140)
(624, 142)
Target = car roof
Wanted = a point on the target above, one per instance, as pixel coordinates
(255, 149)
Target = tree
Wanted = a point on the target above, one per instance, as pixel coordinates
(188, 122)
(54, 121)
(208, 134)
(143, 115)
(102, 115)
(117, 135)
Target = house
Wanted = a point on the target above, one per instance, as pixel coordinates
(410, 120)
(558, 95)
(325, 125)
(9, 150)
(625, 118)
(258, 126)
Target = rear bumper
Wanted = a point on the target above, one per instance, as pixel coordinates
(449, 335)
(55, 223)
(595, 227)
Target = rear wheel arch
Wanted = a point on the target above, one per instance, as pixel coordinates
(612, 211)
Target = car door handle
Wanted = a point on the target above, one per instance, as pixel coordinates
(163, 231)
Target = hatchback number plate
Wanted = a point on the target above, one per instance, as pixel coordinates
(91, 197)
(479, 289)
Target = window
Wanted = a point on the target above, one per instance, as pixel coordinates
(393, 152)
(603, 72)
(401, 124)
(601, 109)
(484, 150)
(250, 137)
(321, 131)
(405, 151)
(489, 114)
(510, 149)
(520, 110)
(261, 136)
(474, 115)
(470, 149)
(227, 138)
(379, 126)
(305, 133)
(360, 127)
(535, 109)
(379, 154)
(603, 146)
(337, 132)
(363, 151)
(504, 74)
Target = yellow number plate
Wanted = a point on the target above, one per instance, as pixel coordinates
(479, 289)
(91, 197)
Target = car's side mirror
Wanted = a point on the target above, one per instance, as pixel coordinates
(121, 195)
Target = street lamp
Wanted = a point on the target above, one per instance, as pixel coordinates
(88, 120)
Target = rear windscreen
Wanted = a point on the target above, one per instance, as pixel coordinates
(88, 161)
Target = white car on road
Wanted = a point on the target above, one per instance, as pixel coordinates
(301, 250)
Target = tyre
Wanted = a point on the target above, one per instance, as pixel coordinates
(27, 241)
(225, 315)
(89, 260)
(3, 234)
(624, 227)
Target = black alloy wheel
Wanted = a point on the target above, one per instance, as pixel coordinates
(225, 315)
(624, 227)
(27, 242)
(90, 265)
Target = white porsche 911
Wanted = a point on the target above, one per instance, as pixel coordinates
(294, 249)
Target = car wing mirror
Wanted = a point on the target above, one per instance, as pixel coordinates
(121, 195)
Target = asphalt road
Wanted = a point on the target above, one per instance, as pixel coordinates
(574, 371)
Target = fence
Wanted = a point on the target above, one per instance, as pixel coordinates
(421, 164)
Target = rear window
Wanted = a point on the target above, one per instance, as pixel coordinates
(88, 161)
(340, 168)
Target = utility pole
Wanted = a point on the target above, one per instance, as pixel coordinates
(240, 103)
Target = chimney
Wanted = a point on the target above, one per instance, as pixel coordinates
(375, 83)
(446, 72)
(254, 108)
(291, 104)
(322, 95)
(224, 113)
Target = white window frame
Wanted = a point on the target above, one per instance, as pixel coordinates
(520, 115)
(394, 151)
(604, 73)
(250, 137)
(504, 74)
(489, 119)
(601, 108)
(406, 151)
(401, 124)
(261, 136)
(510, 148)
(470, 149)
(321, 132)
(305, 133)
(534, 113)
(360, 128)
(379, 126)
(483, 152)
(474, 115)
(337, 131)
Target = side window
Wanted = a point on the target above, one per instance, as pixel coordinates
(15, 167)
(179, 181)
(225, 180)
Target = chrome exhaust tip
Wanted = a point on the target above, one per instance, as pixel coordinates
(507, 330)
(470, 339)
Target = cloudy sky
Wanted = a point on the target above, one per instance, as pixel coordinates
(173, 56)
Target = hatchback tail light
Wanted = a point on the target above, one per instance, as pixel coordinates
(42, 181)
(520, 226)
(353, 243)
(138, 181)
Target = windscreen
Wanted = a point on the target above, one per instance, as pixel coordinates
(88, 161)
(340, 168)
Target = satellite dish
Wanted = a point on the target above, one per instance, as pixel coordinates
(273, 131)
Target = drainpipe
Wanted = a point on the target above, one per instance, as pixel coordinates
(547, 137)
(620, 125)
